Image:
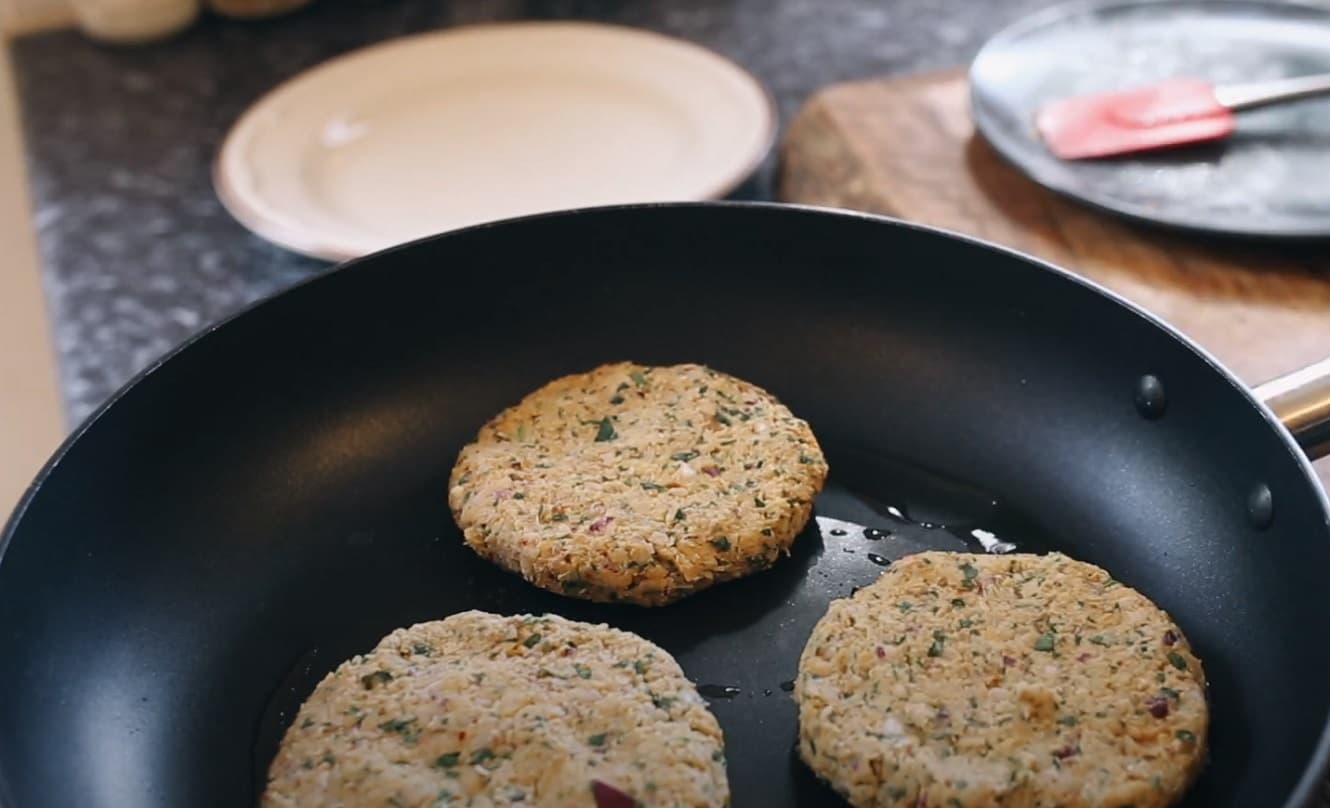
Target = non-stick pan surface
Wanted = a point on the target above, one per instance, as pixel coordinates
(272, 498)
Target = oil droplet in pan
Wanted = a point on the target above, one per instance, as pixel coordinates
(991, 543)
(718, 691)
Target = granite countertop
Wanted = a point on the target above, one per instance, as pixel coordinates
(137, 252)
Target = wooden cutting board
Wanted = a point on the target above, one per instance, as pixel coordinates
(906, 147)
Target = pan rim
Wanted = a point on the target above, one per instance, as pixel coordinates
(1303, 793)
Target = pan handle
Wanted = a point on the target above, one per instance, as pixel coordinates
(1302, 401)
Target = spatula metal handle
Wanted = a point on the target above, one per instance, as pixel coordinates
(1260, 93)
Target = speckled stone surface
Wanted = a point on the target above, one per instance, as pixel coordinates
(139, 254)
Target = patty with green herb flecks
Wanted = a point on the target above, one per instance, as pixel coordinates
(484, 710)
(638, 484)
(1006, 680)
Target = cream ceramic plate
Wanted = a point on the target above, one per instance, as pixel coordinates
(436, 131)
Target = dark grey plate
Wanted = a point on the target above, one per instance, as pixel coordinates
(1271, 178)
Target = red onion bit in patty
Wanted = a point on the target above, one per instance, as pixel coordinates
(1170, 637)
(607, 796)
(1159, 707)
(600, 524)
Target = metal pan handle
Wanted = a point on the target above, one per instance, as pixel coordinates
(1302, 401)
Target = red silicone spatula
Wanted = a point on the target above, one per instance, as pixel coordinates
(1172, 113)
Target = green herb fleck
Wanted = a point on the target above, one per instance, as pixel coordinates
(606, 431)
(1171, 693)
(1067, 720)
(1177, 661)
(406, 727)
(372, 680)
(905, 605)
(970, 573)
(652, 487)
(1186, 736)
(307, 723)
(724, 419)
(481, 755)
(663, 702)
(422, 649)
(966, 622)
(521, 433)
(957, 602)
(678, 515)
(684, 457)
(582, 671)
(1099, 640)
(640, 667)
(806, 460)
(328, 758)
(532, 641)
(598, 739)
(1045, 642)
(639, 378)
(448, 761)
(722, 544)
(939, 639)
(766, 531)
(559, 517)
(618, 399)
(759, 503)
(896, 792)
(717, 756)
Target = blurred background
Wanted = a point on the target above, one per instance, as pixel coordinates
(126, 232)
(113, 109)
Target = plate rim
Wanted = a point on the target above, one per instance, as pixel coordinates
(311, 243)
(1053, 178)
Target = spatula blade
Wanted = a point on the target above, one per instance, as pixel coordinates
(1169, 114)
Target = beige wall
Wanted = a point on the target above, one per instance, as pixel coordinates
(31, 418)
(27, 15)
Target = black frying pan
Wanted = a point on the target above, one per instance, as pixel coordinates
(271, 499)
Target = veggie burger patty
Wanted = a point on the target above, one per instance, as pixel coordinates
(638, 484)
(479, 709)
(1016, 680)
